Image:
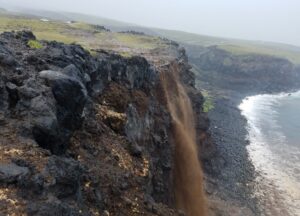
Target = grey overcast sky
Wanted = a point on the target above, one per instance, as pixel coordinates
(268, 20)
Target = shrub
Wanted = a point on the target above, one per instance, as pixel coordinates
(34, 44)
(208, 102)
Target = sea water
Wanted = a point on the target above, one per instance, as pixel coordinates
(274, 149)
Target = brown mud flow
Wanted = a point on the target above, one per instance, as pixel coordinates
(188, 177)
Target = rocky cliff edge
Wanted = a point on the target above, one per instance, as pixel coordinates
(86, 134)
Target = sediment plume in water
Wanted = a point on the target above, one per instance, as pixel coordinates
(188, 177)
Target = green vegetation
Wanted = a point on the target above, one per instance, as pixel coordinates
(236, 46)
(293, 56)
(82, 26)
(191, 38)
(126, 54)
(18, 23)
(81, 33)
(94, 20)
(208, 104)
(138, 41)
(34, 44)
(56, 36)
(90, 38)
(43, 30)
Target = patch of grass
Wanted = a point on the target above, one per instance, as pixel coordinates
(34, 44)
(208, 104)
(138, 41)
(56, 36)
(82, 26)
(126, 54)
(81, 33)
(191, 38)
(293, 56)
(235, 46)
(19, 23)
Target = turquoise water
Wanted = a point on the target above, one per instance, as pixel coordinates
(274, 135)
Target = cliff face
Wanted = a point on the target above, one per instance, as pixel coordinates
(86, 135)
(246, 74)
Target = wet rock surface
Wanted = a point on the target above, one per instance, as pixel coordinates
(86, 135)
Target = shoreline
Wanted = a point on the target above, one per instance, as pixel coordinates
(273, 180)
(227, 85)
(233, 171)
(236, 177)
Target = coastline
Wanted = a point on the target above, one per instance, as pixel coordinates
(232, 170)
(235, 175)
(275, 186)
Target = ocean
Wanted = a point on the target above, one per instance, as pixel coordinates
(273, 123)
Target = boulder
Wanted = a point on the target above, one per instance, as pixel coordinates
(11, 173)
(70, 95)
(25, 35)
(12, 93)
(6, 57)
(66, 174)
(45, 126)
(72, 71)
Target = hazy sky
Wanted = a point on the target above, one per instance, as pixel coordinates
(269, 20)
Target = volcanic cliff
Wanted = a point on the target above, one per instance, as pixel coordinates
(86, 134)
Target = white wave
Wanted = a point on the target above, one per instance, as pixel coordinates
(269, 151)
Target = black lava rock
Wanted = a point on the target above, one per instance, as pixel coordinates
(11, 173)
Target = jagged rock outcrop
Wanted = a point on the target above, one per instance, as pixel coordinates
(86, 135)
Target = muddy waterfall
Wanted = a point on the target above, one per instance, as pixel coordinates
(188, 177)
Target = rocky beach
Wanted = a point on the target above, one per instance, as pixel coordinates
(236, 174)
